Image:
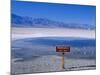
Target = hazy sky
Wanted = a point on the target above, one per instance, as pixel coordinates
(58, 12)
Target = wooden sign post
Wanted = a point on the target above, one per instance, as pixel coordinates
(63, 60)
(62, 49)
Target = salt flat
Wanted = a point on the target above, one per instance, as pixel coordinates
(20, 33)
(50, 63)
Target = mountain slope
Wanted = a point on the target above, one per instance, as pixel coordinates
(20, 21)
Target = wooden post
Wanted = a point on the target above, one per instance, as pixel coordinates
(63, 61)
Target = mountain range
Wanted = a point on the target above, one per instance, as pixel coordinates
(22, 21)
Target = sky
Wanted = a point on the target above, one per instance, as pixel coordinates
(67, 13)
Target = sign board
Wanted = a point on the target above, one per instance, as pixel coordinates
(62, 49)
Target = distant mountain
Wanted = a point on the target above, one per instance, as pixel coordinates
(20, 21)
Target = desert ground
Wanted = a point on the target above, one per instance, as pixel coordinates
(37, 63)
(50, 64)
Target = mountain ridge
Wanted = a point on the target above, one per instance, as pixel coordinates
(21, 21)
